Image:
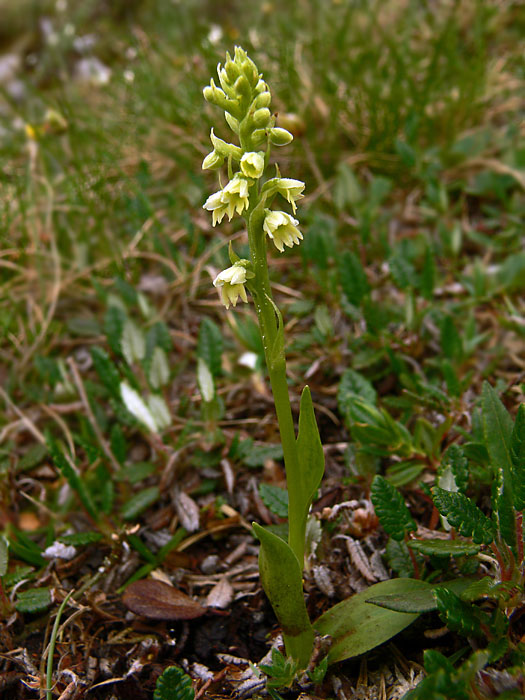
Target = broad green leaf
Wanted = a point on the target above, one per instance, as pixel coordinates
(357, 626)
(444, 548)
(275, 499)
(419, 601)
(390, 508)
(142, 500)
(32, 458)
(209, 346)
(458, 615)
(283, 584)
(174, 684)
(352, 277)
(34, 600)
(464, 515)
(19, 574)
(205, 380)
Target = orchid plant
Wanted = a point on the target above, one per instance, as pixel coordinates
(245, 98)
(354, 625)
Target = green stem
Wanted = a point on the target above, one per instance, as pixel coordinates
(277, 370)
(51, 647)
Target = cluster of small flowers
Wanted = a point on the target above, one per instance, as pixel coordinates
(245, 98)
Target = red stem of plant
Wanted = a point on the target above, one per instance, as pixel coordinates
(503, 570)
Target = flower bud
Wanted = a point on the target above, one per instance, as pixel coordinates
(232, 122)
(263, 100)
(242, 87)
(261, 87)
(225, 149)
(213, 161)
(252, 164)
(261, 117)
(259, 137)
(280, 137)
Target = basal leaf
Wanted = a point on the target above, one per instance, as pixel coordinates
(464, 515)
(417, 601)
(357, 626)
(282, 581)
(444, 548)
(391, 509)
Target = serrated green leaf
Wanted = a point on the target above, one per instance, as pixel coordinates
(114, 320)
(354, 385)
(72, 476)
(209, 346)
(106, 370)
(357, 626)
(497, 431)
(390, 508)
(158, 336)
(455, 459)
(398, 558)
(282, 581)
(119, 446)
(402, 271)
(517, 453)
(19, 574)
(275, 499)
(34, 600)
(444, 548)
(346, 190)
(352, 277)
(142, 500)
(458, 615)
(173, 684)
(462, 514)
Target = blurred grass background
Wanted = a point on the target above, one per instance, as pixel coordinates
(404, 111)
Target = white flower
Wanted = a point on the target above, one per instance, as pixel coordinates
(290, 189)
(252, 164)
(232, 198)
(217, 206)
(231, 283)
(282, 229)
(235, 195)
